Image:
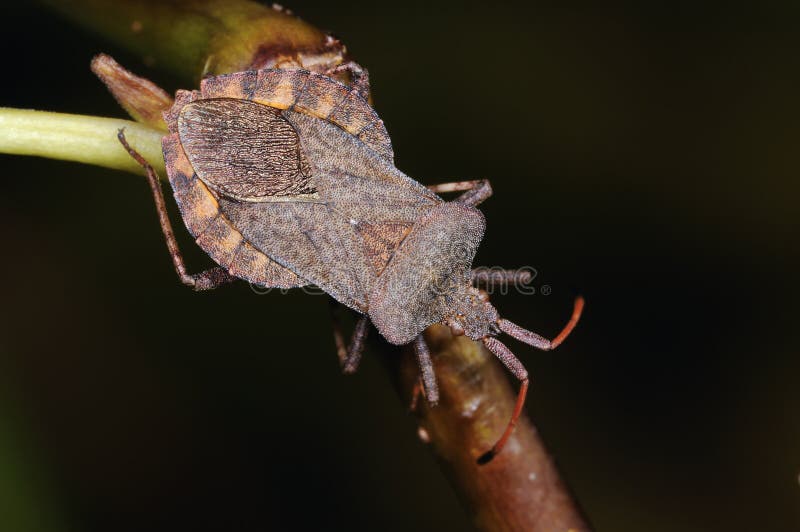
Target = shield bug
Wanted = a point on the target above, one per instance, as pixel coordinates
(285, 178)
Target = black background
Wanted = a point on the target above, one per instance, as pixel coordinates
(643, 154)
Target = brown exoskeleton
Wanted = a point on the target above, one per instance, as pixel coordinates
(286, 178)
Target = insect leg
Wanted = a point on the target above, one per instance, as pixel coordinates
(359, 76)
(338, 337)
(426, 369)
(491, 277)
(515, 366)
(142, 99)
(349, 357)
(206, 280)
(416, 391)
(476, 191)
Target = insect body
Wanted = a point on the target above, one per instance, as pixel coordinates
(286, 178)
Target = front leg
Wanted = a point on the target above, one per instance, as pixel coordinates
(477, 191)
(206, 280)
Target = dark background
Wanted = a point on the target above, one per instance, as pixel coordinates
(644, 155)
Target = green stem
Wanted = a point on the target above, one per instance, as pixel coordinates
(78, 138)
(191, 38)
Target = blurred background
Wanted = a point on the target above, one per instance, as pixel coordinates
(642, 154)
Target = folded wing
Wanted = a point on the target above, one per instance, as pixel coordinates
(316, 198)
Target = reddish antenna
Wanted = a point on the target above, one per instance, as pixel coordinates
(515, 366)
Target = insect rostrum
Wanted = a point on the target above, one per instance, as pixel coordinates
(286, 178)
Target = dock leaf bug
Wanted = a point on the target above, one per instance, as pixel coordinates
(285, 178)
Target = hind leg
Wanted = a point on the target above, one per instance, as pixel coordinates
(206, 280)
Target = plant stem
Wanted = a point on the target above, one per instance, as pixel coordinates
(520, 489)
(83, 139)
(197, 37)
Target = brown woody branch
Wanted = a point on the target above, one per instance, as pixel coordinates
(521, 488)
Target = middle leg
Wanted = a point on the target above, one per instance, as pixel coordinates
(430, 387)
(475, 192)
(349, 357)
